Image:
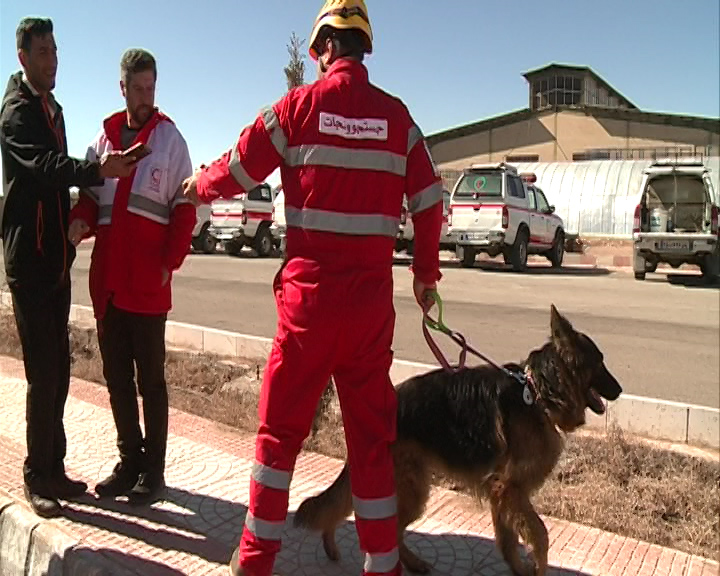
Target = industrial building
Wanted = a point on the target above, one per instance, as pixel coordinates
(586, 142)
(573, 114)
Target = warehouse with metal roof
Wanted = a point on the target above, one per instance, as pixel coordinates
(574, 115)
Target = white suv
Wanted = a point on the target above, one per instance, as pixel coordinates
(202, 240)
(244, 221)
(495, 210)
(278, 228)
(406, 232)
(676, 220)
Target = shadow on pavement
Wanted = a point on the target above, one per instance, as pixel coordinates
(533, 268)
(692, 281)
(209, 528)
(187, 522)
(448, 554)
(543, 270)
(107, 561)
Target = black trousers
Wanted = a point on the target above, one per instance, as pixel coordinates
(42, 322)
(129, 341)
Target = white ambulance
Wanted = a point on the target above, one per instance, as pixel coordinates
(245, 220)
(406, 233)
(495, 210)
(279, 225)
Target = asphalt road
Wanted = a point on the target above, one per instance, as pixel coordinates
(661, 337)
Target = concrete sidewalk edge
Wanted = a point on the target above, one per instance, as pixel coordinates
(651, 418)
(32, 546)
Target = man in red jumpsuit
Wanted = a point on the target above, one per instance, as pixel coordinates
(347, 152)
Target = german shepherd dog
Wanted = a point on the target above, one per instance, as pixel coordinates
(488, 431)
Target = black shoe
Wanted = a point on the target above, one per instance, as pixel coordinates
(119, 483)
(67, 489)
(149, 488)
(45, 505)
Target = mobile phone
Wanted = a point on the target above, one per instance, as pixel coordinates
(139, 151)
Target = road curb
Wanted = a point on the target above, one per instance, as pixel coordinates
(648, 417)
(31, 546)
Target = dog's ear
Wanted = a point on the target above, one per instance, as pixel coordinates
(560, 328)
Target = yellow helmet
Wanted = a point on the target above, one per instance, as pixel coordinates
(342, 14)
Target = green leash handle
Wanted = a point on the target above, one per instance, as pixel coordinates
(438, 324)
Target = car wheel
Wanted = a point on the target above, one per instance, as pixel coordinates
(263, 242)
(519, 254)
(710, 267)
(557, 252)
(467, 260)
(205, 243)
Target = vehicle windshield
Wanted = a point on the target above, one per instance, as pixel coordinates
(480, 183)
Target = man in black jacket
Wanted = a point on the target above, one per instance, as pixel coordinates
(37, 174)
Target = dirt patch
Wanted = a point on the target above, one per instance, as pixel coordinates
(611, 482)
(602, 247)
(606, 242)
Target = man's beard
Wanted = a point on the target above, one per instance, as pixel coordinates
(141, 114)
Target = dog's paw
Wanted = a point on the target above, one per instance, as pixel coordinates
(526, 569)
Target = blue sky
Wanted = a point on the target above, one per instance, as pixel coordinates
(451, 61)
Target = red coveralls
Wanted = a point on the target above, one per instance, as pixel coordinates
(347, 153)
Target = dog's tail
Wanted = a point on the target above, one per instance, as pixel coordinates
(326, 510)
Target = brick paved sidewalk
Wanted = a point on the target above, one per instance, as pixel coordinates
(195, 529)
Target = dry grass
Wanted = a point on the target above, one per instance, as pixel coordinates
(610, 482)
(631, 488)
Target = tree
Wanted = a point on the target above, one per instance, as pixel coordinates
(295, 70)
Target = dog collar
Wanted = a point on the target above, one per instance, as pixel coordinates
(531, 394)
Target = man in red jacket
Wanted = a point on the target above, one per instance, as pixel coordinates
(143, 226)
(347, 152)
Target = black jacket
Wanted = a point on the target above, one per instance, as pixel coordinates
(37, 175)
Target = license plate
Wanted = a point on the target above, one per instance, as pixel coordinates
(673, 245)
(473, 236)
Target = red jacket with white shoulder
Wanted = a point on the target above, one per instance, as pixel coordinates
(347, 152)
(142, 223)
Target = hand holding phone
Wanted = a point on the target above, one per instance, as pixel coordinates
(137, 151)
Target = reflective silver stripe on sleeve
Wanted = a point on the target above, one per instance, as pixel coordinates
(271, 477)
(277, 135)
(375, 509)
(104, 214)
(90, 193)
(143, 206)
(426, 198)
(239, 173)
(342, 223)
(318, 155)
(382, 563)
(179, 198)
(264, 529)
(414, 136)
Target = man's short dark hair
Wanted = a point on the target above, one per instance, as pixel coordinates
(349, 43)
(136, 60)
(30, 27)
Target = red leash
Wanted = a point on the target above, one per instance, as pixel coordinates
(460, 340)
